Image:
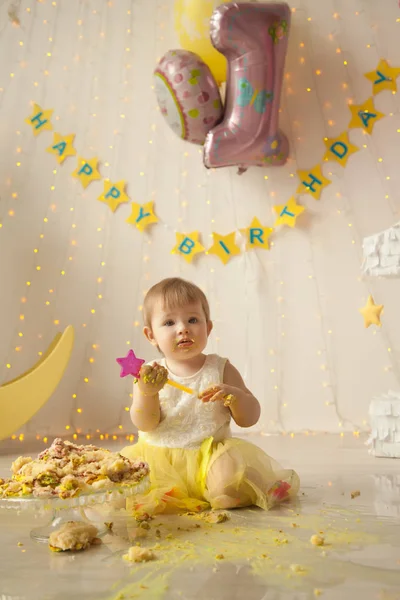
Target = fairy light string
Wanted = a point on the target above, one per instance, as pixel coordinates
(209, 270)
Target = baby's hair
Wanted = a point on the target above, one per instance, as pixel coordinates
(173, 292)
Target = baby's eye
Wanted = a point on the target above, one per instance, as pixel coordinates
(193, 320)
(169, 323)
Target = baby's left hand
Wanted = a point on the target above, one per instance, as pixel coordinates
(223, 392)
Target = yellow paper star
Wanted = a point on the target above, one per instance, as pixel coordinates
(384, 77)
(142, 215)
(288, 213)
(339, 148)
(312, 181)
(62, 147)
(224, 246)
(188, 245)
(371, 312)
(364, 115)
(113, 194)
(86, 171)
(256, 235)
(40, 119)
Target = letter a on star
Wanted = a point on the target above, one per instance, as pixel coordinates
(62, 147)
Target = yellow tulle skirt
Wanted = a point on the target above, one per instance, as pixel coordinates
(228, 474)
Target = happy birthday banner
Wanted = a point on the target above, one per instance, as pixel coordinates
(188, 245)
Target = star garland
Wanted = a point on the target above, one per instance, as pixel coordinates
(312, 181)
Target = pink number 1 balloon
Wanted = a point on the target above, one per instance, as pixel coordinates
(253, 38)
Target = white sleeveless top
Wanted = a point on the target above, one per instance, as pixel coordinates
(185, 420)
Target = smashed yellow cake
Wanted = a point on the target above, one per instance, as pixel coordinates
(317, 540)
(73, 536)
(136, 554)
(66, 470)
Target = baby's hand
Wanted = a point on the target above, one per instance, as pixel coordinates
(220, 392)
(152, 379)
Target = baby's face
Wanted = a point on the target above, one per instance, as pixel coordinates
(180, 333)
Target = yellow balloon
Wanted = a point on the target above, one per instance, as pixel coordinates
(22, 397)
(192, 24)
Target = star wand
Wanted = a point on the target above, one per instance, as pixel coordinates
(130, 365)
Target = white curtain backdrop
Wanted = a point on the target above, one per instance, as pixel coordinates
(287, 318)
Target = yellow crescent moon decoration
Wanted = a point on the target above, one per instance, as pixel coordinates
(22, 397)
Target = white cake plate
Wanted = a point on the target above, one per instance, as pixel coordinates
(71, 509)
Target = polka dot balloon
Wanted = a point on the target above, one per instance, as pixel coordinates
(188, 95)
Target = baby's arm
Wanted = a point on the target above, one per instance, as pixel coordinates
(145, 409)
(245, 408)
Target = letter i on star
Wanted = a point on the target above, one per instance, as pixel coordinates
(224, 246)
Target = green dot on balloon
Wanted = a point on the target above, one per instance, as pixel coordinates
(193, 113)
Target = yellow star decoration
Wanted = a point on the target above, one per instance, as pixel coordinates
(384, 77)
(224, 246)
(62, 147)
(312, 181)
(40, 119)
(339, 148)
(256, 235)
(371, 312)
(113, 194)
(142, 215)
(86, 171)
(364, 115)
(288, 213)
(187, 245)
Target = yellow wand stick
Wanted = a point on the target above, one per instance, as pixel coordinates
(131, 364)
(179, 386)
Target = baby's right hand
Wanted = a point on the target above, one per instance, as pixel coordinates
(152, 379)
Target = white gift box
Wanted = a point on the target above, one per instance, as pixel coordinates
(381, 253)
(384, 416)
(387, 495)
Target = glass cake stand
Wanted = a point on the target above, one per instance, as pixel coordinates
(71, 509)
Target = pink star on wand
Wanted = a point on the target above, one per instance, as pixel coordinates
(130, 364)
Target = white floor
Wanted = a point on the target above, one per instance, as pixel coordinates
(267, 556)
